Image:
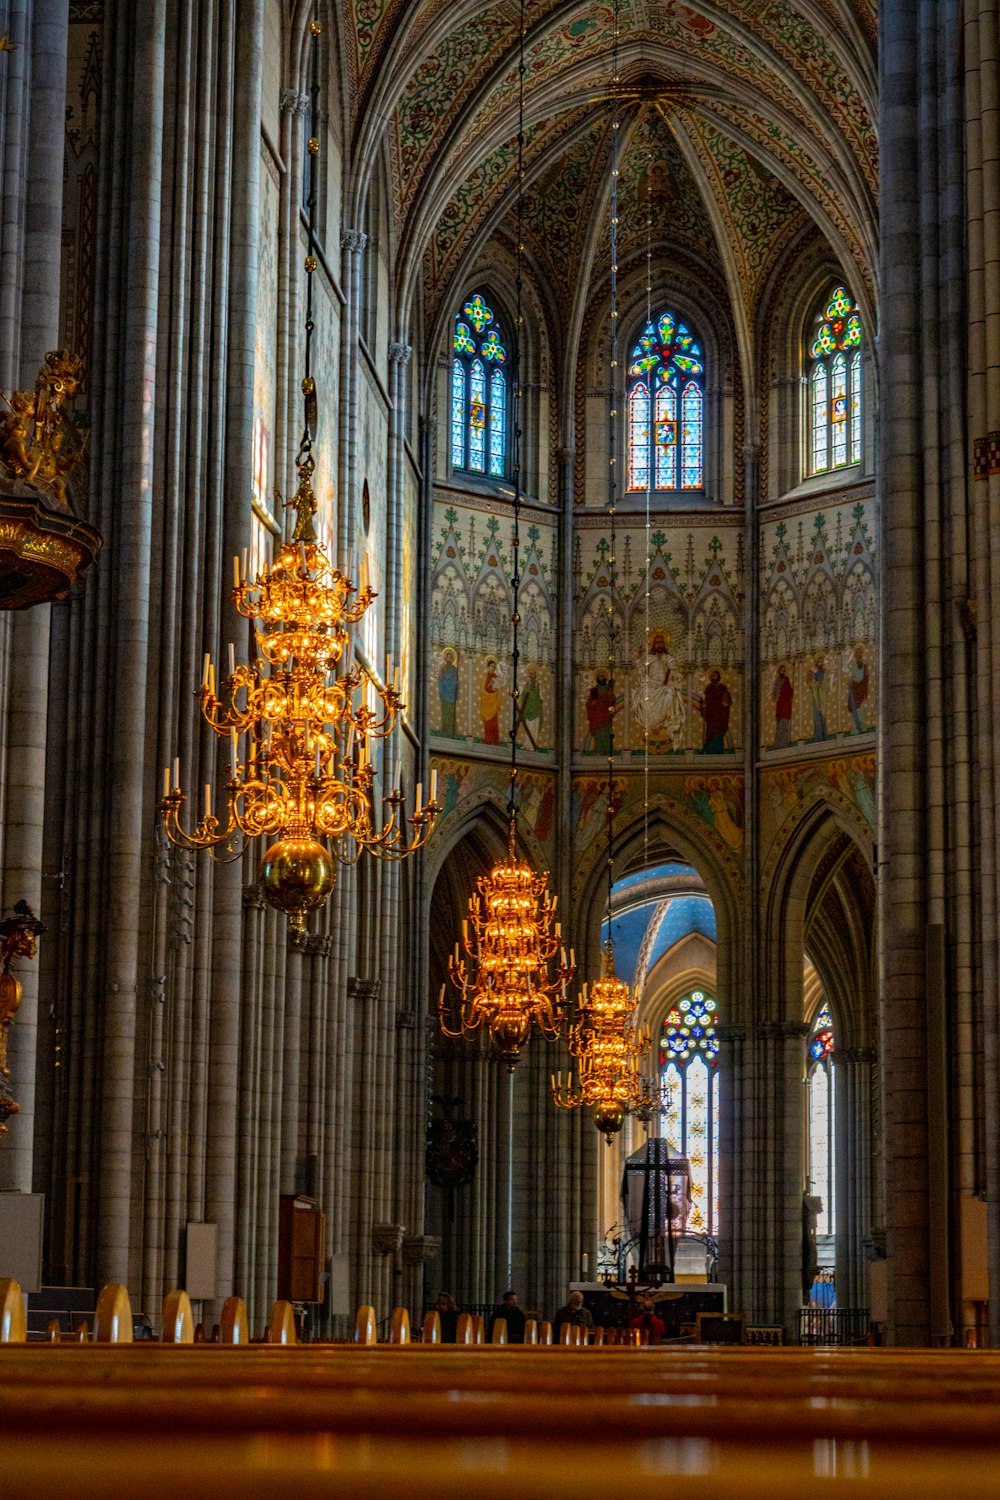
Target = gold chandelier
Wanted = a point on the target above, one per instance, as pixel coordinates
(299, 726)
(607, 1046)
(505, 979)
(299, 734)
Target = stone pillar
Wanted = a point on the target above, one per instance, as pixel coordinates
(779, 1175)
(853, 1167)
(32, 222)
(735, 1210)
(924, 722)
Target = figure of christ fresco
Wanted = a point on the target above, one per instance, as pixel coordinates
(660, 709)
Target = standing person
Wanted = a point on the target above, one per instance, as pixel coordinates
(649, 1322)
(532, 708)
(448, 693)
(783, 693)
(447, 1311)
(856, 668)
(714, 706)
(513, 1316)
(574, 1312)
(601, 708)
(489, 704)
(818, 691)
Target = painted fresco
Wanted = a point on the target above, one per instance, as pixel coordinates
(845, 781)
(678, 650)
(370, 534)
(709, 804)
(459, 780)
(818, 611)
(326, 366)
(471, 605)
(408, 597)
(266, 339)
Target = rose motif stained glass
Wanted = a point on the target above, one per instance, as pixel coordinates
(835, 385)
(689, 1049)
(479, 395)
(665, 397)
(821, 1108)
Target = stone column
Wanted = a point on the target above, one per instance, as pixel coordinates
(853, 1171)
(923, 720)
(36, 220)
(778, 1183)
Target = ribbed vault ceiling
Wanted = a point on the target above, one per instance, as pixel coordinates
(757, 114)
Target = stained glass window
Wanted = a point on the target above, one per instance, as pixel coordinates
(821, 1133)
(835, 386)
(479, 404)
(665, 399)
(689, 1050)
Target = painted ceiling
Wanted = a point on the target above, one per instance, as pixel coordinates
(742, 120)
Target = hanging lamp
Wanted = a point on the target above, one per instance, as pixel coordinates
(511, 969)
(299, 725)
(604, 1039)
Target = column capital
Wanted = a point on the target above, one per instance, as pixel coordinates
(293, 102)
(784, 1031)
(751, 453)
(854, 1055)
(731, 1033)
(363, 989)
(319, 944)
(399, 353)
(353, 240)
(253, 898)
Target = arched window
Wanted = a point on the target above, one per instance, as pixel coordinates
(479, 402)
(666, 409)
(835, 386)
(689, 1052)
(819, 1086)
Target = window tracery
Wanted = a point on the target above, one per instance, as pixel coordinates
(479, 392)
(835, 385)
(689, 1053)
(665, 400)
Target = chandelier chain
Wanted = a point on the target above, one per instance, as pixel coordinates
(515, 582)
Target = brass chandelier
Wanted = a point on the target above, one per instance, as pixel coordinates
(607, 1046)
(300, 727)
(604, 1039)
(511, 970)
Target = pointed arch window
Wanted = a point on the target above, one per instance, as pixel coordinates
(821, 1142)
(834, 381)
(689, 1053)
(665, 397)
(479, 392)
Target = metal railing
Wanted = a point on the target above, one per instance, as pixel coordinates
(834, 1325)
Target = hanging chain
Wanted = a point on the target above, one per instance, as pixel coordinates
(515, 581)
(648, 531)
(613, 450)
(305, 463)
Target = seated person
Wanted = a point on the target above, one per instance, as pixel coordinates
(574, 1312)
(647, 1320)
(447, 1311)
(515, 1318)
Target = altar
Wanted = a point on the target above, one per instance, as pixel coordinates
(613, 1305)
